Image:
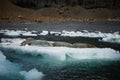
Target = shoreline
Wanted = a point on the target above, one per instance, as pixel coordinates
(49, 19)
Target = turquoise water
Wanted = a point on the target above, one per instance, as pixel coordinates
(69, 69)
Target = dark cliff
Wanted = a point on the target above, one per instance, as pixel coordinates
(60, 3)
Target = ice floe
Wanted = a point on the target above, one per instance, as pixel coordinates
(33, 74)
(16, 33)
(112, 39)
(62, 53)
(2, 57)
(8, 68)
(12, 33)
(106, 37)
(28, 34)
(14, 41)
(44, 32)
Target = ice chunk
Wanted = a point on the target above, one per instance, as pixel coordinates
(8, 68)
(33, 74)
(12, 33)
(61, 53)
(111, 39)
(15, 41)
(107, 37)
(44, 32)
(28, 34)
(2, 57)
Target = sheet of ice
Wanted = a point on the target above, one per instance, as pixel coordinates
(62, 53)
(107, 37)
(55, 33)
(44, 32)
(16, 33)
(2, 57)
(28, 33)
(115, 38)
(7, 68)
(95, 53)
(33, 74)
(12, 33)
(86, 34)
(15, 41)
(112, 40)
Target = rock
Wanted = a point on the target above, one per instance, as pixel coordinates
(62, 44)
(83, 45)
(20, 17)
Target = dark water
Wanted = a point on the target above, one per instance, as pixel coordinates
(70, 69)
(87, 70)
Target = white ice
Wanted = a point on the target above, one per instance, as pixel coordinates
(115, 38)
(28, 33)
(44, 32)
(7, 68)
(2, 57)
(106, 37)
(33, 74)
(15, 41)
(12, 33)
(16, 33)
(55, 33)
(62, 53)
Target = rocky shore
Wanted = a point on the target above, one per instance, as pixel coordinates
(10, 12)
